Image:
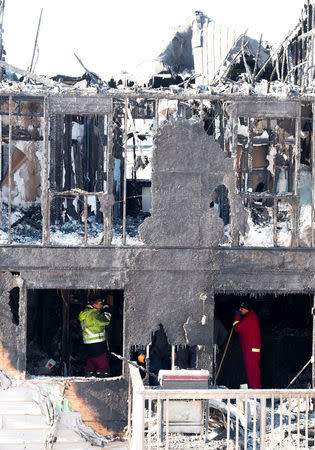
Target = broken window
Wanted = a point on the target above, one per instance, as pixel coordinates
(266, 155)
(274, 177)
(77, 178)
(54, 336)
(286, 339)
(135, 125)
(21, 153)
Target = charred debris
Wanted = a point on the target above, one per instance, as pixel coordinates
(172, 198)
(247, 92)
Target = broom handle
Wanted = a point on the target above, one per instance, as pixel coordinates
(224, 353)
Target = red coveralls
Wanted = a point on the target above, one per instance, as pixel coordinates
(249, 333)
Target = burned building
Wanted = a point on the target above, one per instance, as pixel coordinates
(170, 203)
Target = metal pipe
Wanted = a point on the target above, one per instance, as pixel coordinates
(149, 424)
(306, 420)
(228, 421)
(298, 421)
(246, 422)
(167, 424)
(262, 422)
(255, 426)
(159, 425)
(281, 421)
(272, 419)
(237, 431)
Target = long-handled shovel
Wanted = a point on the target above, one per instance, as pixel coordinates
(224, 353)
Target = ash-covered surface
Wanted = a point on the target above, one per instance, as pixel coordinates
(26, 228)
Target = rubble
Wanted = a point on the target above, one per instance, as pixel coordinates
(171, 197)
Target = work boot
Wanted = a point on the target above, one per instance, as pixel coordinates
(89, 374)
(101, 375)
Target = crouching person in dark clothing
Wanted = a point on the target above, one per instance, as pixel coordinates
(93, 320)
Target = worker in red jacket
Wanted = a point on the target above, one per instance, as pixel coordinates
(246, 324)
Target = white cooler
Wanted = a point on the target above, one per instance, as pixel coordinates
(184, 416)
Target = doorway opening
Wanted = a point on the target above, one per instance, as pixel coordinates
(54, 336)
(286, 339)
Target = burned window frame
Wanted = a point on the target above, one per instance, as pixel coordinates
(18, 112)
(265, 109)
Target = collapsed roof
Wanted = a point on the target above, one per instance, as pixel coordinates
(201, 55)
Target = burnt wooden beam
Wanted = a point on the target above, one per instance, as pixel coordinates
(108, 213)
(56, 166)
(99, 185)
(67, 145)
(45, 204)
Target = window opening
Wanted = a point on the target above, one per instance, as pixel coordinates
(79, 206)
(286, 339)
(135, 125)
(54, 335)
(21, 137)
(265, 155)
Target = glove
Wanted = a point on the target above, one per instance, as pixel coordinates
(238, 313)
(141, 358)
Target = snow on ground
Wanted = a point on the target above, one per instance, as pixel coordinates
(291, 435)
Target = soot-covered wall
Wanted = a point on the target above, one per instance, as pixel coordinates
(171, 279)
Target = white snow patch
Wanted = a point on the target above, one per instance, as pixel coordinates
(242, 130)
(91, 201)
(271, 159)
(305, 224)
(257, 236)
(77, 132)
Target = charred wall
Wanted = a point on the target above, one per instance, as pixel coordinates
(161, 285)
(170, 279)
